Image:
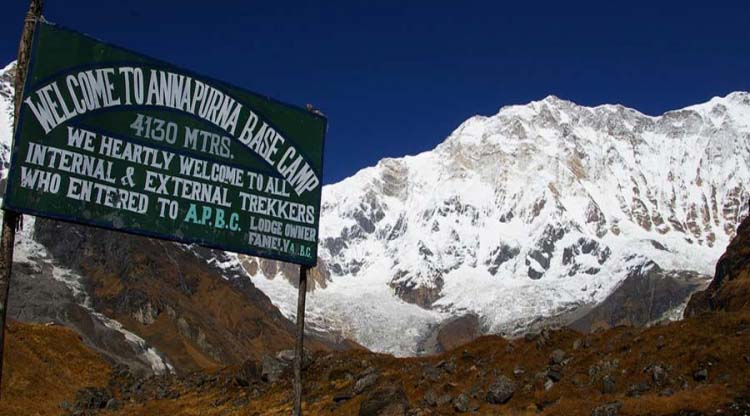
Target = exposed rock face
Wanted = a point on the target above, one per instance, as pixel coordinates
(730, 288)
(317, 277)
(7, 92)
(175, 297)
(610, 409)
(36, 296)
(92, 398)
(459, 331)
(646, 296)
(451, 334)
(423, 295)
(501, 254)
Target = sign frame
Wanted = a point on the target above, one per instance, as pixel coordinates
(14, 169)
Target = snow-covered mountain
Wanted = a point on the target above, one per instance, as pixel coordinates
(529, 213)
(7, 78)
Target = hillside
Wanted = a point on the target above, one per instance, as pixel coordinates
(730, 288)
(698, 366)
(44, 366)
(692, 367)
(657, 371)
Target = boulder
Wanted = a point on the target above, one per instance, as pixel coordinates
(557, 357)
(637, 389)
(430, 398)
(272, 369)
(113, 404)
(700, 374)
(608, 384)
(444, 399)
(501, 390)
(658, 374)
(92, 398)
(388, 400)
(365, 382)
(609, 409)
(448, 366)
(461, 403)
(248, 372)
(554, 373)
(287, 356)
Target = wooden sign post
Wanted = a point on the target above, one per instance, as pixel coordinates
(11, 219)
(299, 346)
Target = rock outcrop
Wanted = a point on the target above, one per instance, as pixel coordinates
(730, 288)
(178, 298)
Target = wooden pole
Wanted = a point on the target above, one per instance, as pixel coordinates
(299, 347)
(11, 219)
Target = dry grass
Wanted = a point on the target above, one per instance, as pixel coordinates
(45, 365)
(718, 341)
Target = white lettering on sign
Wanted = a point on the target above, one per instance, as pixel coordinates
(95, 89)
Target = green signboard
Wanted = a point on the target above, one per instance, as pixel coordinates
(110, 138)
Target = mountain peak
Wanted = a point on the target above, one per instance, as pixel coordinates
(553, 99)
(740, 97)
(10, 66)
(529, 213)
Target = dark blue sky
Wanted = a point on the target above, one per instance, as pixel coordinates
(396, 79)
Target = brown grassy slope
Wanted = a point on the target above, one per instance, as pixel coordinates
(181, 305)
(717, 342)
(43, 366)
(46, 365)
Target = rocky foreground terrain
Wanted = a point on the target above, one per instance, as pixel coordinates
(697, 366)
